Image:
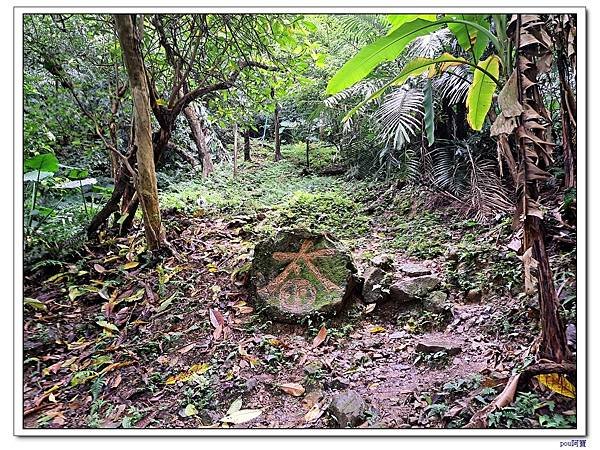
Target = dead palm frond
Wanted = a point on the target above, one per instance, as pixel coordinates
(457, 170)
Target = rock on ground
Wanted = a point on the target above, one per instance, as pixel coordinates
(348, 408)
(376, 285)
(414, 270)
(413, 288)
(384, 262)
(296, 274)
(433, 346)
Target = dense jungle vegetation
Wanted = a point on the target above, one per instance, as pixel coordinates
(166, 154)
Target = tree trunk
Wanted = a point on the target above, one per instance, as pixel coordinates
(191, 115)
(278, 155)
(247, 145)
(235, 149)
(145, 180)
(307, 153)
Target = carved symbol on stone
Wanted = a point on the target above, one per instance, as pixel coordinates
(299, 293)
(297, 296)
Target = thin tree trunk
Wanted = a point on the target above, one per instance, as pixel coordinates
(235, 149)
(145, 180)
(191, 115)
(307, 153)
(247, 145)
(278, 155)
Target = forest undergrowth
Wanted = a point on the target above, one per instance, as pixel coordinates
(116, 339)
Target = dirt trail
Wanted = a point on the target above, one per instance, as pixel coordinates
(128, 372)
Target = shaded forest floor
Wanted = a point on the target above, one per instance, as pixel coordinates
(112, 339)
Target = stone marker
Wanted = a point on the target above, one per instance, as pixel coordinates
(299, 273)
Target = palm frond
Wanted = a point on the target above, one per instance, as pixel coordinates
(456, 170)
(431, 45)
(362, 28)
(399, 115)
(361, 90)
(453, 85)
(487, 193)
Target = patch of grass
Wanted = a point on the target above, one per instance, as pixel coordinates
(423, 235)
(279, 190)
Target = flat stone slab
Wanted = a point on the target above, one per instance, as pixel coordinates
(414, 270)
(298, 273)
(431, 346)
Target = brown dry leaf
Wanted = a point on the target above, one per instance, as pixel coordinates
(52, 369)
(196, 369)
(294, 389)
(187, 348)
(99, 268)
(217, 321)
(320, 337)
(508, 98)
(313, 413)
(216, 318)
(312, 398)
(117, 381)
(316, 411)
(114, 366)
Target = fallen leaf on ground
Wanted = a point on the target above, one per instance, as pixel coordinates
(196, 369)
(187, 348)
(294, 389)
(235, 407)
(130, 265)
(242, 416)
(557, 383)
(35, 303)
(320, 337)
(377, 329)
(109, 327)
(190, 410)
(316, 411)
